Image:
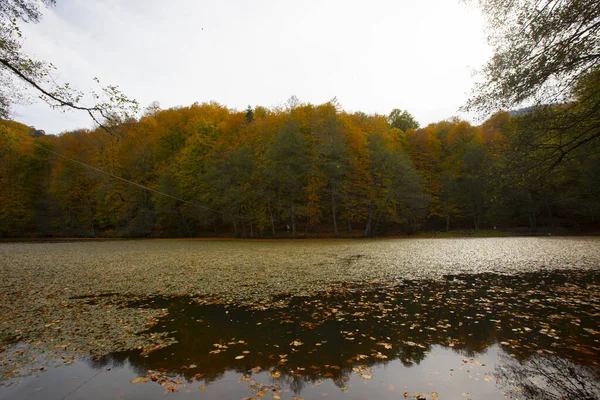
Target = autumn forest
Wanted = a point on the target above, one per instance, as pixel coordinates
(298, 170)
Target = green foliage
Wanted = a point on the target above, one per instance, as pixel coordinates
(402, 120)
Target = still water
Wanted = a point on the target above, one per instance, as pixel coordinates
(524, 335)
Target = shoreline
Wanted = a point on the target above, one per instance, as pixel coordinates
(304, 237)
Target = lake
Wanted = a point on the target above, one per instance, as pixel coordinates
(394, 318)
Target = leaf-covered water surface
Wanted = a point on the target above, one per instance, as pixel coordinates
(294, 320)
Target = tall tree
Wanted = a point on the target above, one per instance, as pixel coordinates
(288, 169)
(425, 149)
(397, 186)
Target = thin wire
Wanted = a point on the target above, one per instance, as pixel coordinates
(83, 384)
(139, 185)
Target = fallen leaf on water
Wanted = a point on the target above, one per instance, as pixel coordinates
(239, 357)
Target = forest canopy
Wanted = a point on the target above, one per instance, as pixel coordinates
(300, 170)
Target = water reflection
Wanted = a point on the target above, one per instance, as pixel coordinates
(549, 377)
(546, 321)
(528, 336)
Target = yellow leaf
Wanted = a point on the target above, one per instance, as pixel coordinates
(239, 357)
(261, 394)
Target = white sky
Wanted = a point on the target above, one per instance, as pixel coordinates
(376, 55)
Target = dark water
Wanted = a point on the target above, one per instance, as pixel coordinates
(486, 336)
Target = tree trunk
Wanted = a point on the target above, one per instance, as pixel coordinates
(91, 212)
(448, 221)
(272, 218)
(187, 228)
(476, 221)
(549, 213)
(335, 229)
(376, 226)
(532, 221)
(293, 220)
(369, 220)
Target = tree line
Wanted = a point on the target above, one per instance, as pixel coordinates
(299, 170)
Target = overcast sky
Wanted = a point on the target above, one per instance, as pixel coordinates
(373, 56)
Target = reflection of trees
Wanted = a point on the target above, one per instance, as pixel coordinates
(110, 360)
(297, 383)
(549, 378)
(352, 328)
(410, 356)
